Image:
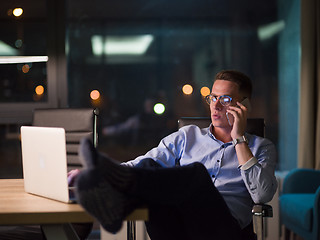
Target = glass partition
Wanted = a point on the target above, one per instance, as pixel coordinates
(23, 52)
(144, 64)
(24, 81)
(148, 53)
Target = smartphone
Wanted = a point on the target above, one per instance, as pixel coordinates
(245, 102)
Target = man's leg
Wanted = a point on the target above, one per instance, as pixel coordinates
(201, 212)
(163, 219)
(165, 222)
(110, 191)
(202, 215)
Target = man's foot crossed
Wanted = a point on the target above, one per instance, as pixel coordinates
(104, 186)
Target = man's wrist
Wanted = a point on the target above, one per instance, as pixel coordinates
(241, 139)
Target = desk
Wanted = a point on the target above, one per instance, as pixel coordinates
(18, 208)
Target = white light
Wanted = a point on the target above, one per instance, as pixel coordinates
(17, 12)
(97, 45)
(127, 45)
(6, 49)
(159, 108)
(22, 59)
(267, 31)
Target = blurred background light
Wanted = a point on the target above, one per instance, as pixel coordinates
(25, 68)
(97, 45)
(205, 91)
(17, 12)
(159, 108)
(187, 89)
(95, 95)
(9, 12)
(39, 90)
(121, 45)
(7, 50)
(18, 43)
(22, 59)
(128, 45)
(269, 30)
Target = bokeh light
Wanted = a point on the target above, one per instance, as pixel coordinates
(18, 43)
(205, 91)
(25, 68)
(17, 12)
(9, 12)
(187, 89)
(39, 90)
(95, 95)
(159, 108)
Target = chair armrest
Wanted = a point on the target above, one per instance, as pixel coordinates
(260, 211)
(263, 210)
(301, 181)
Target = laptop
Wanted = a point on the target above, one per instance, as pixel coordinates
(44, 161)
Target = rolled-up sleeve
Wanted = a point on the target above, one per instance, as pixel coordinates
(259, 176)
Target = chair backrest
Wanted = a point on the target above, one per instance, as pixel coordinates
(78, 123)
(255, 126)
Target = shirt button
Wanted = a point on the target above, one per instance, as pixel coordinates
(213, 176)
(218, 160)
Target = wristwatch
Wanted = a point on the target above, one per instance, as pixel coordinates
(239, 140)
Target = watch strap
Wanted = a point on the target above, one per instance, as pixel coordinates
(239, 140)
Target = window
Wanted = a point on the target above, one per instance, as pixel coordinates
(24, 81)
(181, 42)
(127, 57)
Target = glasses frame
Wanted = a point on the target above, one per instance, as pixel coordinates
(211, 98)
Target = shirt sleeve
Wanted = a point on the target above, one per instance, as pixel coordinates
(258, 172)
(167, 153)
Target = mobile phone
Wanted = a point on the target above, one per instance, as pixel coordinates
(245, 102)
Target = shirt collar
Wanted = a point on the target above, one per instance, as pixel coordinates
(210, 131)
(212, 135)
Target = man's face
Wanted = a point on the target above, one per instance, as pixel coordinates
(218, 111)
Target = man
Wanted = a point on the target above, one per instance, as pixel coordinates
(223, 171)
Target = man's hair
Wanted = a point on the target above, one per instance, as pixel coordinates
(244, 82)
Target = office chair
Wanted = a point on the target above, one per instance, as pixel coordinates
(78, 123)
(255, 126)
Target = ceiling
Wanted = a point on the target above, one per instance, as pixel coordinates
(252, 11)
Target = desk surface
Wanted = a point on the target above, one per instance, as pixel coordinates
(18, 207)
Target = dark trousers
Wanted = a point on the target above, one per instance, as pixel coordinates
(184, 204)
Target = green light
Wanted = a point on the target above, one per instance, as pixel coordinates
(159, 108)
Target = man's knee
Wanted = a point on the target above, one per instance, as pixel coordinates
(148, 163)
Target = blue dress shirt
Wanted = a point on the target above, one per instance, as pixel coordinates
(240, 186)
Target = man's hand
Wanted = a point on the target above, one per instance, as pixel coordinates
(239, 114)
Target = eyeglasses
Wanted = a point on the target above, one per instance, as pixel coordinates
(225, 100)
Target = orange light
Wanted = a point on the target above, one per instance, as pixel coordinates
(187, 89)
(25, 68)
(9, 12)
(205, 91)
(95, 95)
(39, 90)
